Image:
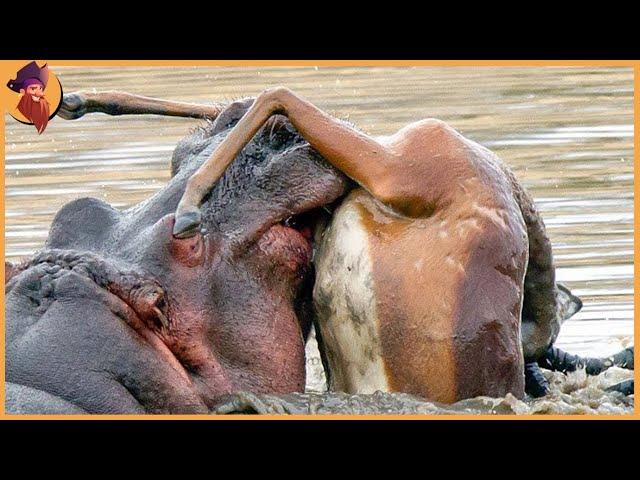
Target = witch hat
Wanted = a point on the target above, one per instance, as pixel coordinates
(27, 74)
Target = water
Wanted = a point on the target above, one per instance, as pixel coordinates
(566, 132)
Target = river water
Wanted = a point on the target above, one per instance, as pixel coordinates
(566, 132)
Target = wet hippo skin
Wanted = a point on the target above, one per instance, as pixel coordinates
(116, 315)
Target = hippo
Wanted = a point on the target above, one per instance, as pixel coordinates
(210, 287)
(117, 315)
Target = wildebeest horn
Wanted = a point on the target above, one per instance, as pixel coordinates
(75, 105)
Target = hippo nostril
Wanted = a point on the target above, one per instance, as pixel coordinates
(160, 303)
(161, 317)
(153, 304)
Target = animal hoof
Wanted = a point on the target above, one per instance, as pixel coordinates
(187, 223)
(535, 384)
(72, 106)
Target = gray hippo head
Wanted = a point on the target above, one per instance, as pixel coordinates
(118, 315)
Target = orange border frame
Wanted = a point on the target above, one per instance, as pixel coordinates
(8, 68)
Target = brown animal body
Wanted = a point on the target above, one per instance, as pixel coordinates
(426, 302)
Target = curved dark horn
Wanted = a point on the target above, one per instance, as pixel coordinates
(556, 359)
(75, 105)
(568, 303)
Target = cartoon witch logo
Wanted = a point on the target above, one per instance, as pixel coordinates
(31, 82)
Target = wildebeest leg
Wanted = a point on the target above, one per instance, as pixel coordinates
(547, 304)
(556, 359)
(355, 154)
(75, 105)
(535, 384)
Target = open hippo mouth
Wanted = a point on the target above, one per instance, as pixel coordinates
(301, 228)
(292, 240)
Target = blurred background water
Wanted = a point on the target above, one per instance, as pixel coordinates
(566, 132)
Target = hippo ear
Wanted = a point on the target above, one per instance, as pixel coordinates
(231, 115)
(568, 303)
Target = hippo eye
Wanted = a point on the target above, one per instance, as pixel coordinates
(188, 251)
